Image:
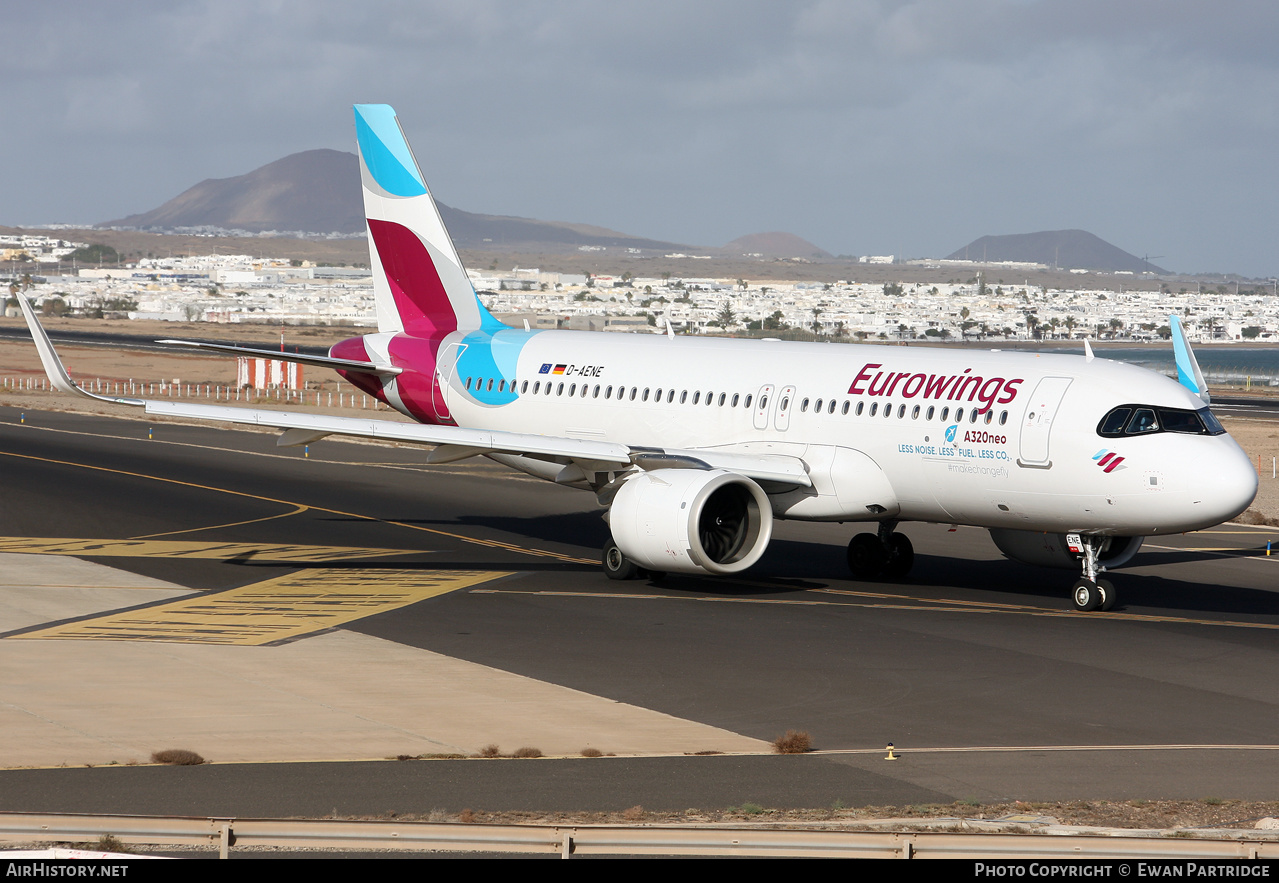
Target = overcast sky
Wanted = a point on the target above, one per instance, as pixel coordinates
(866, 127)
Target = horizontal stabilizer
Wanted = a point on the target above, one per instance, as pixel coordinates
(351, 365)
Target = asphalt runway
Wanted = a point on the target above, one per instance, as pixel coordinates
(975, 668)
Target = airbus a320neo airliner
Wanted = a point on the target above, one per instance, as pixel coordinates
(696, 446)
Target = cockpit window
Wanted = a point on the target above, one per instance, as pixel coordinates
(1142, 422)
(1129, 420)
(1113, 423)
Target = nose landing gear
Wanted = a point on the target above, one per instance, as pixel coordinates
(1090, 593)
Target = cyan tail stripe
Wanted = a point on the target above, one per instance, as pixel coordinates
(385, 152)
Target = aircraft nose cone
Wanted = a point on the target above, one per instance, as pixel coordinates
(1227, 484)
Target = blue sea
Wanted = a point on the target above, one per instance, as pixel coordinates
(1236, 362)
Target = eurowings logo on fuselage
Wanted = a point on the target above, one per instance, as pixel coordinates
(989, 391)
(1108, 460)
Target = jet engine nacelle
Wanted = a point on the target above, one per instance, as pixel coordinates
(1050, 549)
(691, 520)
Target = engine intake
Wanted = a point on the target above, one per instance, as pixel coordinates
(691, 521)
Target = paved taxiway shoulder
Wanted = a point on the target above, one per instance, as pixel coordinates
(80, 693)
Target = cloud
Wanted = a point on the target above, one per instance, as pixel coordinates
(863, 126)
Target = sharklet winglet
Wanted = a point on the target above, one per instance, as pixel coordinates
(53, 366)
(1188, 373)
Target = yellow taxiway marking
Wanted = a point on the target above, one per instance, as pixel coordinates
(172, 533)
(931, 605)
(492, 544)
(144, 548)
(278, 609)
(1253, 552)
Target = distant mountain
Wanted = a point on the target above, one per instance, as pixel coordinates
(775, 245)
(1066, 249)
(318, 191)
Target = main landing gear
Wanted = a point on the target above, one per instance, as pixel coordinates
(618, 566)
(1090, 593)
(886, 555)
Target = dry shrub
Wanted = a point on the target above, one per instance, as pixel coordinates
(177, 757)
(1253, 516)
(527, 752)
(592, 752)
(634, 814)
(794, 742)
(490, 751)
(466, 817)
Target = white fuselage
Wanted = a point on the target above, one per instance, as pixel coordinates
(996, 439)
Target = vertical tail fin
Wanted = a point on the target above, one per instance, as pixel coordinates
(419, 284)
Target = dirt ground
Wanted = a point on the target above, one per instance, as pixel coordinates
(1209, 813)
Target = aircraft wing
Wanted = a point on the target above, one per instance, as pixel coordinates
(452, 442)
(457, 442)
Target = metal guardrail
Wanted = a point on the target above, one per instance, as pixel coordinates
(569, 840)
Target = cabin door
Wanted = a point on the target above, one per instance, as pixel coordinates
(785, 401)
(1037, 425)
(763, 402)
